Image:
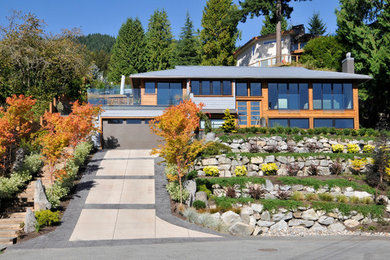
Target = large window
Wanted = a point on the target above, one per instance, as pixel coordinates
(243, 89)
(211, 88)
(332, 96)
(337, 123)
(291, 96)
(169, 93)
(150, 87)
(292, 122)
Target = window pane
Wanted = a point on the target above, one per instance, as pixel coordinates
(348, 97)
(304, 96)
(299, 122)
(323, 122)
(133, 121)
(195, 87)
(255, 88)
(176, 93)
(293, 97)
(227, 87)
(115, 121)
(327, 96)
(338, 96)
(150, 88)
(206, 88)
(278, 122)
(282, 96)
(217, 123)
(216, 87)
(241, 89)
(163, 93)
(317, 96)
(344, 123)
(273, 96)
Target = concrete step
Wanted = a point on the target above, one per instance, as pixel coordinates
(8, 240)
(9, 233)
(17, 215)
(10, 226)
(11, 220)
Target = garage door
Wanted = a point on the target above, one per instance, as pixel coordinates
(128, 134)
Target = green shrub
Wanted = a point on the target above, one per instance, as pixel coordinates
(354, 132)
(318, 131)
(311, 196)
(297, 195)
(215, 148)
(47, 217)
(272, 130)
(288, 130)
(295, 130)
(192, 175)
(12, 185)
(205, 189)
(354, 200)
(368, 148)
(346, 131)
(55, 193)
(326, 196)
(262, 130)
(279, 129)
(173, 189)
(81, 152)
(171, 172)
(370, 132)
(240, 171)
(342, 198)
(198, 204)
(211, 171)
(332, 131)
(230, 123)
(366, 200)
(33, 163)
(310, 131)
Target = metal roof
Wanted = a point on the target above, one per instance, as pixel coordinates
(243, 72)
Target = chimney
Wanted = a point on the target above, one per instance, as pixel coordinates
(348, 64)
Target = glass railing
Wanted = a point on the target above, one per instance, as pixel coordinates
(113, 97)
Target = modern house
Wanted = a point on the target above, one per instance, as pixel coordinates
(260, 51)
(286, 96)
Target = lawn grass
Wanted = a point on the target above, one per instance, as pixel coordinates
(376, 211)
(229, 182)
(303, 155)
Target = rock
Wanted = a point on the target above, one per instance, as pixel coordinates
(278, 217)
(288, 216)
(295, 222)
(282, 171)
(256, 215)
(336, 227)
(266, 216)
(229, 218)
(269, 196)
(359, 194)
(262, 223)
(324, 171)
(190, 185)
(216, 215)
(324, 163)
(309, 215)
(257, 207)
(382, 200)
(308, 223)
(210, 137)
(227, 174)
(257, 160)
(358, 217)
(297, 215)
(325, 220)
(281, 225)
(282, 159)
(29, 221)
(202, 196)
(388, 208)
(245, 214)
(257, 231)
(209, 161)
(317, 227)
(19, 160)
(40, 199)
(224, 167)
(269, 159)
(297, 187)
(252, 221)
(351, 223)
(268, 185)
(224, 160)
(241, 229)
(285, 187)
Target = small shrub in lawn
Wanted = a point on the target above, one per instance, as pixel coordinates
(254, 148)
(366, 200)
(310, 131)
(230, 192)
(318, 131)
(337, 148)
(211, 171)
(215, 148)
(173, 189)
(292, 169)
(288, 130)
(342, 198)
(269, 168)
(256, 193)
(368, 148)
(354, 200)
(224, 205)
(47, 218)
(262, 130)
(336, 168)
(326, 196)
(313, 170)
(332, 131)
(311, 196)
(295, 130)
(354, 132)
(240, 171)
(346, 131)
(353, 148)
(33, 163)
(192, 175)
(370, 132)
(362, 131)
(191, 215)
(279, 129)
(204, 188)
(297, 195)
(272, 130)
(198, 204)
(283, 195)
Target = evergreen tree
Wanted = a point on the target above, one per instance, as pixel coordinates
(128, 53)
(270, 27)
(316, 25)
(186, 51)
(219, 33)
(364, 30)
(159, 42)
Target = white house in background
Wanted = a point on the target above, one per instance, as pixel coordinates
(260, 51)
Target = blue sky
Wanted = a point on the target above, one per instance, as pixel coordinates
(102, 16)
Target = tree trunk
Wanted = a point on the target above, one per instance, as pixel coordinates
(278, 32)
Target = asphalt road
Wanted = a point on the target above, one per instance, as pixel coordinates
(265, 248)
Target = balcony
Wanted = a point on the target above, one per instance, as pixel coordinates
(112, 98)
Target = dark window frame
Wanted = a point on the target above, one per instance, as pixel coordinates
(288, 93)
(154, 88)
(289, 121)
(332, 87)
(334, 122)
(221, 88)
(248, 88)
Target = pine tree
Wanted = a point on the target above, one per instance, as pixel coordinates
(269, 26)
(186, 51)
(219, 33)
(128, 53)
(316, 25)
(159, 42)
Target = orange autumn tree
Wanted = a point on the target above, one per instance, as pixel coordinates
(176, 126)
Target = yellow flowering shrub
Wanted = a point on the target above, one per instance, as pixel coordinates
(358, 164)
(368, 148)
(241, 171)
(387, 169)
(211, 171)
(337, 148)
(353, 148)
(269, 168)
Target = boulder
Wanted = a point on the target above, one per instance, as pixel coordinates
(245, 214)
(202, 196)
(336, 227)
(241, 229)
(224, 160)
(388, 208)
(210, 137)
(351, 223)
(309, 215)
(382, 200)
(40, 199)
(29, 221)
(19, 160)
(297, 215)
(268, 185)
(278, 217)
(358, 217)
(282, 159)
(295, 222)
(288, 216)
(325, 220)
(308, 223)
(257, 231)
(318, 228)
(266, 216)
(190, 185)
(209, 161)
(257, 160)
(359, 194)
(262, 223)
(216, 215)
(280, 226)
(269, 159)
(229, 218)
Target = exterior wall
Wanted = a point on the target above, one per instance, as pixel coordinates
(216, 102)
(262, 51)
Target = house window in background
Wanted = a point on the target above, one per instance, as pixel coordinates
(288, 96)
